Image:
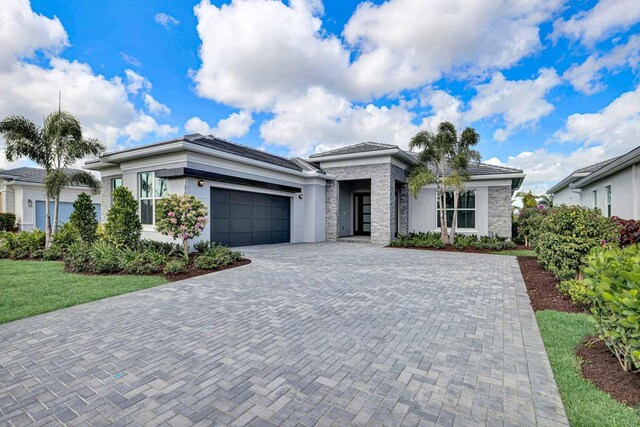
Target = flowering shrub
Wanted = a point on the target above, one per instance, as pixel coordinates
(629, 231)
(528, 223)
(181, 217)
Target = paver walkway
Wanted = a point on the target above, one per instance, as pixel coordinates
(307, 334)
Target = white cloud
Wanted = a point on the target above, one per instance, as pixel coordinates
(608, 133)
(155, 107)
(102, 105)
(521, 103)
(444, 107)
(320, 121)
(616, 126)
(136, 82)
(587, 76)
(234, 126)
(131, 60)
(607, 18)
(22, 32)
(406, 43)
(165, 19)
(255, 52)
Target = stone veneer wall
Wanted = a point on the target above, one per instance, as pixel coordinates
(105, 198)
(383, 177)
(499, 212)
(399, 176)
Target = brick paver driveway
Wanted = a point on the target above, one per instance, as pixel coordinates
(306, 334)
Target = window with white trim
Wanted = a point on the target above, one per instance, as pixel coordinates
(608, 194)
(466, 210)
(150, 189)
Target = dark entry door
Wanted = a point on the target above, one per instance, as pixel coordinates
(362, 217)
(241, 218)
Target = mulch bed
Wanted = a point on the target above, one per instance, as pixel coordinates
(451, 248)
(541, 287)
(602, 368)
(194, 272)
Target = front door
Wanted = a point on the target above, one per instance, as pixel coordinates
(362, 217)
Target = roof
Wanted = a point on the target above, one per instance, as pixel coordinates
(578, 174)
(610, 167)
(362, 147)
(479, 169)
(26, 174)
(241, 150)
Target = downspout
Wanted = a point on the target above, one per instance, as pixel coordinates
(578, 191)
(635, 186)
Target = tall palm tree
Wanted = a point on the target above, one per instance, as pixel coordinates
(451, 154)
(55, 146)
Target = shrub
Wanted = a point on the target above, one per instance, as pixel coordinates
(84, 219)
(495, 243)
(4, 252)
(19, 253)
(181, 217)
(175, 267)
(202, 245)
(566, 236)
(78, 257)
(577, 290)
(66, 236)
(418, 240)
(8, 240)
(123, 225)
(31, 241)
(219, 251)
(7, 222)
(38, 254)
(528, 223)
(166, 248)
(106, 258)
(52, 254)
(629, 231)
(613, 278)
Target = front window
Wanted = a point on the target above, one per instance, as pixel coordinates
(466, 210)
(115, 183)
(595, 198)
(150, 190)
(608, 201)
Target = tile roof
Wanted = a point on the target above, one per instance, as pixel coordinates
(241, 150)
(594, 167)
(26, 174)
(479, 168)
(362, 147)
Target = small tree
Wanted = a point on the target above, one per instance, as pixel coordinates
(528, 221)
(566, 236)
(123, 225)
(450, 154)
(181, 217)
(84, 219)
(528, 199)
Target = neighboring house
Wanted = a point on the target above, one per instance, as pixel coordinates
(613, 186)
(256, 197)
(22, 193)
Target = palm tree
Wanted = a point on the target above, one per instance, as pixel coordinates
(54, 147)
(528, 199)
(450, 153)
(545, 200)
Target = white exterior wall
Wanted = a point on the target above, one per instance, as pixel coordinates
(624, 193)
(566, 197)
(423, 210)
(23, 192)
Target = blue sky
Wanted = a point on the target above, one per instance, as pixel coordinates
(550, 85)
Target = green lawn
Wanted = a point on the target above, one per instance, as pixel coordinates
(28, 288)
(585, 404)
(516, 252)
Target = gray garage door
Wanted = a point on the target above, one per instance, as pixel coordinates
(240, 218)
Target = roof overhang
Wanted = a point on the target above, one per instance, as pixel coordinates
(617, 165)
(567, 182)
(516, 178)
(393, 152)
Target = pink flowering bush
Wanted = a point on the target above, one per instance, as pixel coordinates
(181, 217)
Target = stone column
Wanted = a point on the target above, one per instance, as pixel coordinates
(332, 197)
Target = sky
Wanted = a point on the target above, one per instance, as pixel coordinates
(550, 85)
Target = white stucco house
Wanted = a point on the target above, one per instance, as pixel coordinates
(255, 197)
(612, 185)
(22, 193)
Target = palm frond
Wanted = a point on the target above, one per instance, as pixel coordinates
(86, 179)
(418, 177)
(23, 138)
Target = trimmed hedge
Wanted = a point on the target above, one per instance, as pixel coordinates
(7, 222)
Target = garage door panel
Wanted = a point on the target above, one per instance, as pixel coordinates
(239, 225)
(240, 218)
(241, 197)
(220, 210)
